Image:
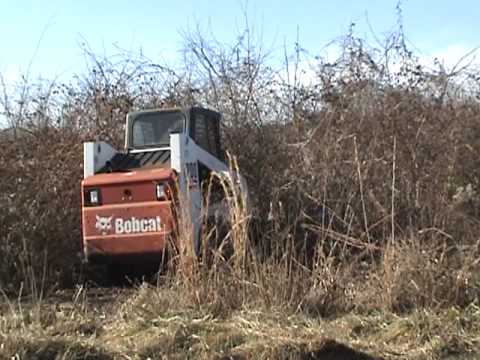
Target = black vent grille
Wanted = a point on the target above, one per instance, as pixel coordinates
(127, 161)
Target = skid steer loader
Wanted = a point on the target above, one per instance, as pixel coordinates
(128, 196)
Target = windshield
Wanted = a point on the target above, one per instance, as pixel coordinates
(154, 128)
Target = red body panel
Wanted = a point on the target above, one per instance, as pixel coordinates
(130, 221)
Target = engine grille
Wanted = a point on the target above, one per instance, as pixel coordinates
(128, 161)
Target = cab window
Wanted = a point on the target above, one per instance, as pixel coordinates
(205, 131)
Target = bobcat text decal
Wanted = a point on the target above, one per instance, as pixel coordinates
(129, 226)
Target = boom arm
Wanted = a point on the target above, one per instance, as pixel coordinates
(185, 158)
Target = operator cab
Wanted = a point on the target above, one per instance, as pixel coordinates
(150, 129)
(147, 139)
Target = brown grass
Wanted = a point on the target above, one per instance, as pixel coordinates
(161, 323)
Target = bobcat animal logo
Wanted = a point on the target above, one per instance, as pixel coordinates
(104, 224)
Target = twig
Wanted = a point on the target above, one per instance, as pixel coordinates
(393, 188)
(361, 191)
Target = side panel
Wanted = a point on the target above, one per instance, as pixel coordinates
(95, 156)
(184, 161)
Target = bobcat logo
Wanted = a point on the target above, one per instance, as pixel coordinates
(104, 224)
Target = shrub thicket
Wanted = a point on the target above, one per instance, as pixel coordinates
(367, 169)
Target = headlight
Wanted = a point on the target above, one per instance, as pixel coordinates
(161, 192)
(93, 197)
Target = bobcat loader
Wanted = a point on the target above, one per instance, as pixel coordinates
(128, 196)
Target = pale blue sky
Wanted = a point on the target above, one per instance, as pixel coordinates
(437, 27)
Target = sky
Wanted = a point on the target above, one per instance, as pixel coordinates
(44, 37)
